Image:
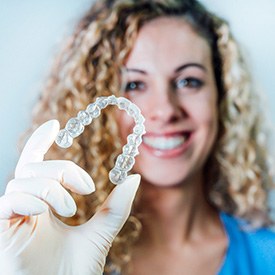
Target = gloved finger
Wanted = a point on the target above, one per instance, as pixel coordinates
(48, 190)
(38, 144)
(20, 204)
(66, 172)
(107, 222)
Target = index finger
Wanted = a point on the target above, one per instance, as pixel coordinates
(38, 144)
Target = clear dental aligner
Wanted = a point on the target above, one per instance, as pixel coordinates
(75, 126)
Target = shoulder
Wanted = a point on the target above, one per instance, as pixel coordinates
(241, 228)
(256, 246)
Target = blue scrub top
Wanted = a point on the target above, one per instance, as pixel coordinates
(249, 252)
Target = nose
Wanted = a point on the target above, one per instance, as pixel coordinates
(165, 107)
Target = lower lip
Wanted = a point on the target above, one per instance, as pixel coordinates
(170, 153)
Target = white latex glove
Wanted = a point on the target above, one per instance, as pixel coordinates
(32, 240)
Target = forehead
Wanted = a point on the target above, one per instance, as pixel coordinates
(168, 39)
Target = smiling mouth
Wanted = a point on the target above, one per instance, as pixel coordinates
(164, 143)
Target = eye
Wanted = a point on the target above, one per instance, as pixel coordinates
(134, 86)
(189, 82)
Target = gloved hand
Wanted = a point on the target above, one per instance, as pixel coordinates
(32, 240)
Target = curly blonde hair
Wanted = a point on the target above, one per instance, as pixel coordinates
(237, 174)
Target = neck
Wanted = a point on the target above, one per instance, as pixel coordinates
(179, 214)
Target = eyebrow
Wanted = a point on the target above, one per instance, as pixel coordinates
(135, 70)
(185, 66)
(180, 68)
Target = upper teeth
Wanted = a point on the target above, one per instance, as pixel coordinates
(164, 143)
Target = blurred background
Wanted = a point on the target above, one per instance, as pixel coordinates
(31, 34)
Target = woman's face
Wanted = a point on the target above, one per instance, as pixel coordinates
(170, 78)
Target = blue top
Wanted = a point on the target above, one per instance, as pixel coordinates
(249, 252)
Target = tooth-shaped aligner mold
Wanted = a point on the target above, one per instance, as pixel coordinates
(75, 126)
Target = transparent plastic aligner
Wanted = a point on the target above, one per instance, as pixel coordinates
(75, 126)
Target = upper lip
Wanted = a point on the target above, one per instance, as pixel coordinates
(167, 133)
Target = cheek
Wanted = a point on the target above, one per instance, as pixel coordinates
(142, 100)
(125, 124)
(203, 107)
(206, 114)
(207, 120)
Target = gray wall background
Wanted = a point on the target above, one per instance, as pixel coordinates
(31, 32)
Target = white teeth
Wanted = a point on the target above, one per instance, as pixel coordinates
(164, 143)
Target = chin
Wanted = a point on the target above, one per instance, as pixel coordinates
(162, 180)
(164, 185)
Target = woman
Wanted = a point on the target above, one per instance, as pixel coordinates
(201, 206)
